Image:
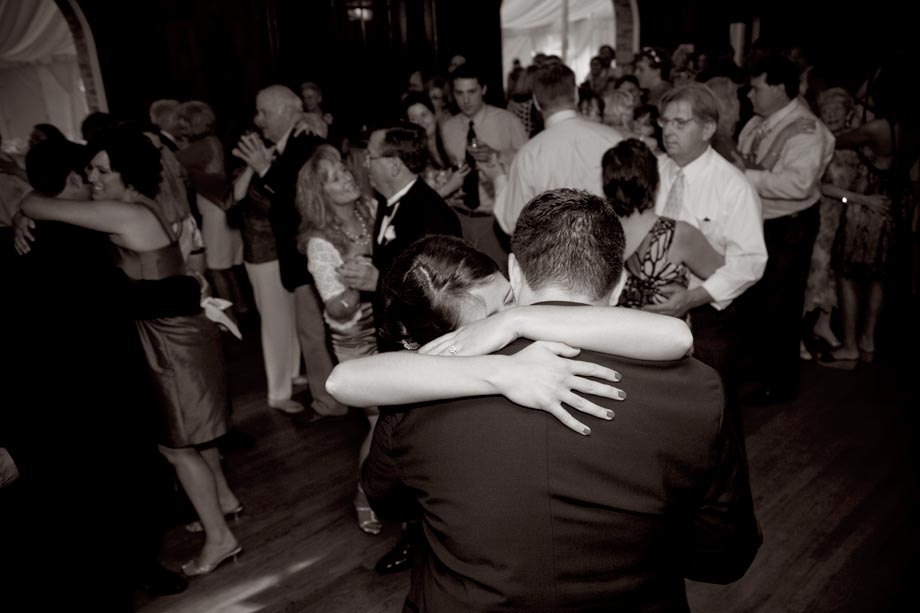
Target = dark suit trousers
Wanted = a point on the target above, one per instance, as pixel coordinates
(716, 344)
(777, 300)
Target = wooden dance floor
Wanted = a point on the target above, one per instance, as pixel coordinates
(833, 475)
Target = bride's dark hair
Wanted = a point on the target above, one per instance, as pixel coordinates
(427, 285)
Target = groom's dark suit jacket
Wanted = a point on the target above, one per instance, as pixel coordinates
(279, 186)
(520, 513)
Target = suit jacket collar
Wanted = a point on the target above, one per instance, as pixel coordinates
(401, 193)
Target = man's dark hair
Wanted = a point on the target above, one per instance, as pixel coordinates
(466, 71)
(554, 86)
(570, 239)
(408, 142)
(132, 155)
(96, 122)
(48, 131)
(630, 175)
(50, 162)
(777, 70)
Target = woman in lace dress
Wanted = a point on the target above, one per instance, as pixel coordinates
(337, 222)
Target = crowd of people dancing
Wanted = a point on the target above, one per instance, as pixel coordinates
(482, 282)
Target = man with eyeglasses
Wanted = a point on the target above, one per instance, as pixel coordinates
(409, 210)
(700, 187)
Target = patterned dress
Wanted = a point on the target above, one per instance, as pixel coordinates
(650, 270)
(821, 289)
(863, 242)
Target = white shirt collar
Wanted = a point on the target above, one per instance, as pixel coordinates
(398, 195)
(696, 166)
(560, 116)
(281, 144)
(773, 120)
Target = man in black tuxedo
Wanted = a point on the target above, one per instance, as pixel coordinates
(77, 418)
(409, 208)
(522, 514)
(396, 154)
(274, 178)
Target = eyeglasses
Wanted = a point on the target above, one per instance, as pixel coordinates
(678, 123)
(368, 157)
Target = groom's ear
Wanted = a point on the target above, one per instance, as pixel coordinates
(514, 276)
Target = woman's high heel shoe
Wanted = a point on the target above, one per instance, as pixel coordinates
(367, 519)
(231, 516)
(192, 568)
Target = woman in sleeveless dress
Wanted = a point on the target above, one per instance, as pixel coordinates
(337, 222)
(660, 252)
(863, 243)
(183, 353)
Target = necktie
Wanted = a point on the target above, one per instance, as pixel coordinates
(471, 180)
(759, 135)
(675, 200)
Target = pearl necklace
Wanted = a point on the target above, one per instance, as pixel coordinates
(363, 237)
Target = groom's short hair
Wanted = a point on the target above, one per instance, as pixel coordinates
(570, 239)
(50, 162)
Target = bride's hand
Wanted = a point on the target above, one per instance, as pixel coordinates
(541, 377)
(22, 232)
(478, 338)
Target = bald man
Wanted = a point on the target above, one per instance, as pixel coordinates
(271, 179)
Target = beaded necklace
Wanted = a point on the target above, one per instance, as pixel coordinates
(363, 237)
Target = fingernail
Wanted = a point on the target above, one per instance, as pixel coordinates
(586, 431)
(610, 414)
(618, 377)
(621, 395)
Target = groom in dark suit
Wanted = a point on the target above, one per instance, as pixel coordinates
(409, 210)
(521, 514)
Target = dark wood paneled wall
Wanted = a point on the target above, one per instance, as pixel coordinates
(223, 51)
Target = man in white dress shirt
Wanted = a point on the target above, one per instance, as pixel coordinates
(789, 185)
(567, 153)
(700, 187)
(472, 136)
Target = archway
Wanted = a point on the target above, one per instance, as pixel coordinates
(536, 26)
(48, 69)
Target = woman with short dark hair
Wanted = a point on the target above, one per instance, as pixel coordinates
(660, 251)
(183, 352)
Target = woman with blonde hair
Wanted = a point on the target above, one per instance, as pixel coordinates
(336, 225)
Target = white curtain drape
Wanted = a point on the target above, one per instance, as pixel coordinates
(535, 26)
(39, 76)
